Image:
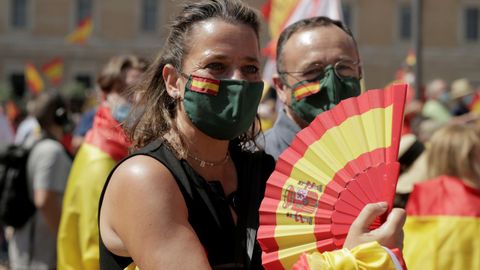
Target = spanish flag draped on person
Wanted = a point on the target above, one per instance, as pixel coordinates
(104, 146)
(443, 213)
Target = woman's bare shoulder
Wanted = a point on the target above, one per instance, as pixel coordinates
(142, 175)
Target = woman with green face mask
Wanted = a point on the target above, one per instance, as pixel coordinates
(188, 197)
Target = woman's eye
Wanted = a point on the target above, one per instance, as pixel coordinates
(251, 69)
(215, 66)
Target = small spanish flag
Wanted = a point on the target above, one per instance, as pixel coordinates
(82, 32)
(305, 90)
(53, 70)
(205, 85)
(33, 79)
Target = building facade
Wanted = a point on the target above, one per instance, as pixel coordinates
(34, 31)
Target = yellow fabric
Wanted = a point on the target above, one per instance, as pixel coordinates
(279, 14)
(442, 242)
(131, 267)
(78, 243)
(366, 256)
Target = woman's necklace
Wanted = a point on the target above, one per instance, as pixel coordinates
(204, 163)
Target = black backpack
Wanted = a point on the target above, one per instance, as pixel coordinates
(16, 204)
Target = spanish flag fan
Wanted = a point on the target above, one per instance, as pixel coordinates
(343, 160)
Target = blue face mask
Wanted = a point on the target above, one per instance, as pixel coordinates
(467, 100)
(444, 97)
(121, 112)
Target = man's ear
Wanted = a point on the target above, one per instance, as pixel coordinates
(171, 77)
(283, 90)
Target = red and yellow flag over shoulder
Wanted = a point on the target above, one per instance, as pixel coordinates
(53, 70)
(33, 79)
(442, 227)
(82, 32)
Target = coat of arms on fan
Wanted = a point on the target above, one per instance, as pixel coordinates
(346, 158)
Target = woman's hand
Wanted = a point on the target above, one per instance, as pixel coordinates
(390, 234)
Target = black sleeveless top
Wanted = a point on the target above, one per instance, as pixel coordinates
(228, 246)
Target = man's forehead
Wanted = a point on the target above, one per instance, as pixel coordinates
(327, 43)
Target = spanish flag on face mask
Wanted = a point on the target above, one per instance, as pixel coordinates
(442, 230)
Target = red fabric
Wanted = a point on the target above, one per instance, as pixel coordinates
(301, 264)
(108, 135)
(266, 8)
(67, 142)
(444, 195)
(475, 101)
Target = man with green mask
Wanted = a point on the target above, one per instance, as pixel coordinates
(318, 66)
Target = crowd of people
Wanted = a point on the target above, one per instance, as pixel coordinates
(169, 170)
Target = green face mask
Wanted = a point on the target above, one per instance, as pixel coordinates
(222, 109)
(310, 98)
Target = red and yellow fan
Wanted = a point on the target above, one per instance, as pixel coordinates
(346, 158)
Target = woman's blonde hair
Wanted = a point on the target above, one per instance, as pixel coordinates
(455, 151)
(112, 75)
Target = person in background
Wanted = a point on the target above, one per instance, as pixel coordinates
(189, 197)
(462, 96)
(28, 130)
(105, 144)
(85, 123)
(6, 132)
(315, 50)
(413, 167)
(436, 105)
(6, 138)
(443, 213)
(33, 246)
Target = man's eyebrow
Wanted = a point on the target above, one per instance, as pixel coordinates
(252, 59)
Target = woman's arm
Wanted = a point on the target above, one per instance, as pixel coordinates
(144, 216)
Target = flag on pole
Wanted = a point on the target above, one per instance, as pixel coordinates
(53, 70)
(33, 79)
(282, 13)
(83, 31)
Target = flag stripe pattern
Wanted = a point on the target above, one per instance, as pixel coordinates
(305, 90)
(81, 34)
(443, 221)
(53, 70)
(284, 229)
(205, 85)
(33, 78)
